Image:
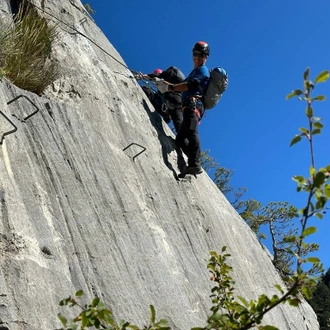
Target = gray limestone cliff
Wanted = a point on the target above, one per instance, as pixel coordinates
(80, 212)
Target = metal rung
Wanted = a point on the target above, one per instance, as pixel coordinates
(15, 99)
(83, 20)
(8, 132)
(144, 149)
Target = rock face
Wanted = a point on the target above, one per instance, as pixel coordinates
(80, 212)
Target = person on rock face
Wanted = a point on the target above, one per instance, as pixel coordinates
(171, 107)
(193, 88)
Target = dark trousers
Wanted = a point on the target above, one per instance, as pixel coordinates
(188, 138)
(173, 102)
(177, 117)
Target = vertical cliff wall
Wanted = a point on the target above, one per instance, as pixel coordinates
(80, 212)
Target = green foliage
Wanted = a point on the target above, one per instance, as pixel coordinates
(89, 9)
(25, 49)
(317, 183)
(320, 301)
(275, 214)
(229, 311)
(278, 218)
(98, 316)
(326, 278)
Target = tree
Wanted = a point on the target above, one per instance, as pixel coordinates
(320, 301)
(250, 211)
(222, 177)
(278, 218)
(326, 278)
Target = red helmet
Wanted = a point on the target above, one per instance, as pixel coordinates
(158, 71)
(202, 47)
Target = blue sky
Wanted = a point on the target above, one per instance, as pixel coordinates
(265, 46)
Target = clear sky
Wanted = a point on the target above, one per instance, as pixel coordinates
(265, 46)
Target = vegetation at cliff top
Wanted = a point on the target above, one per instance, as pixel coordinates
(25, 50)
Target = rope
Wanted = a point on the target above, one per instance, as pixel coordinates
(82, 34)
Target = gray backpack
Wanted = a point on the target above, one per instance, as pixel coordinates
(217, 84)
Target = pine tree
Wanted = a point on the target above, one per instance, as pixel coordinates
(320, 301)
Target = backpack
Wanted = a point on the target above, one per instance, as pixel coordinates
(173, 75)
(217, 84)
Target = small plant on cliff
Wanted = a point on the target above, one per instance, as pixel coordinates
(229, 312)
(25, 48)
(97, 315)
(89, 9)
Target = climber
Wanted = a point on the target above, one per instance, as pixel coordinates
(169, 104)
(156, 99)
(192, 106)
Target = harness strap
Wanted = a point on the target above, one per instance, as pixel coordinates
(197, 113)
(192, 105)
(195, 110)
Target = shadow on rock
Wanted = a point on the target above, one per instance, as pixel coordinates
(167, 142)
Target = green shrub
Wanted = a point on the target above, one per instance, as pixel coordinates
(25, 48)
(89, 9)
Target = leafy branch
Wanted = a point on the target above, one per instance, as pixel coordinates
(316, 184)
(97, 315)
